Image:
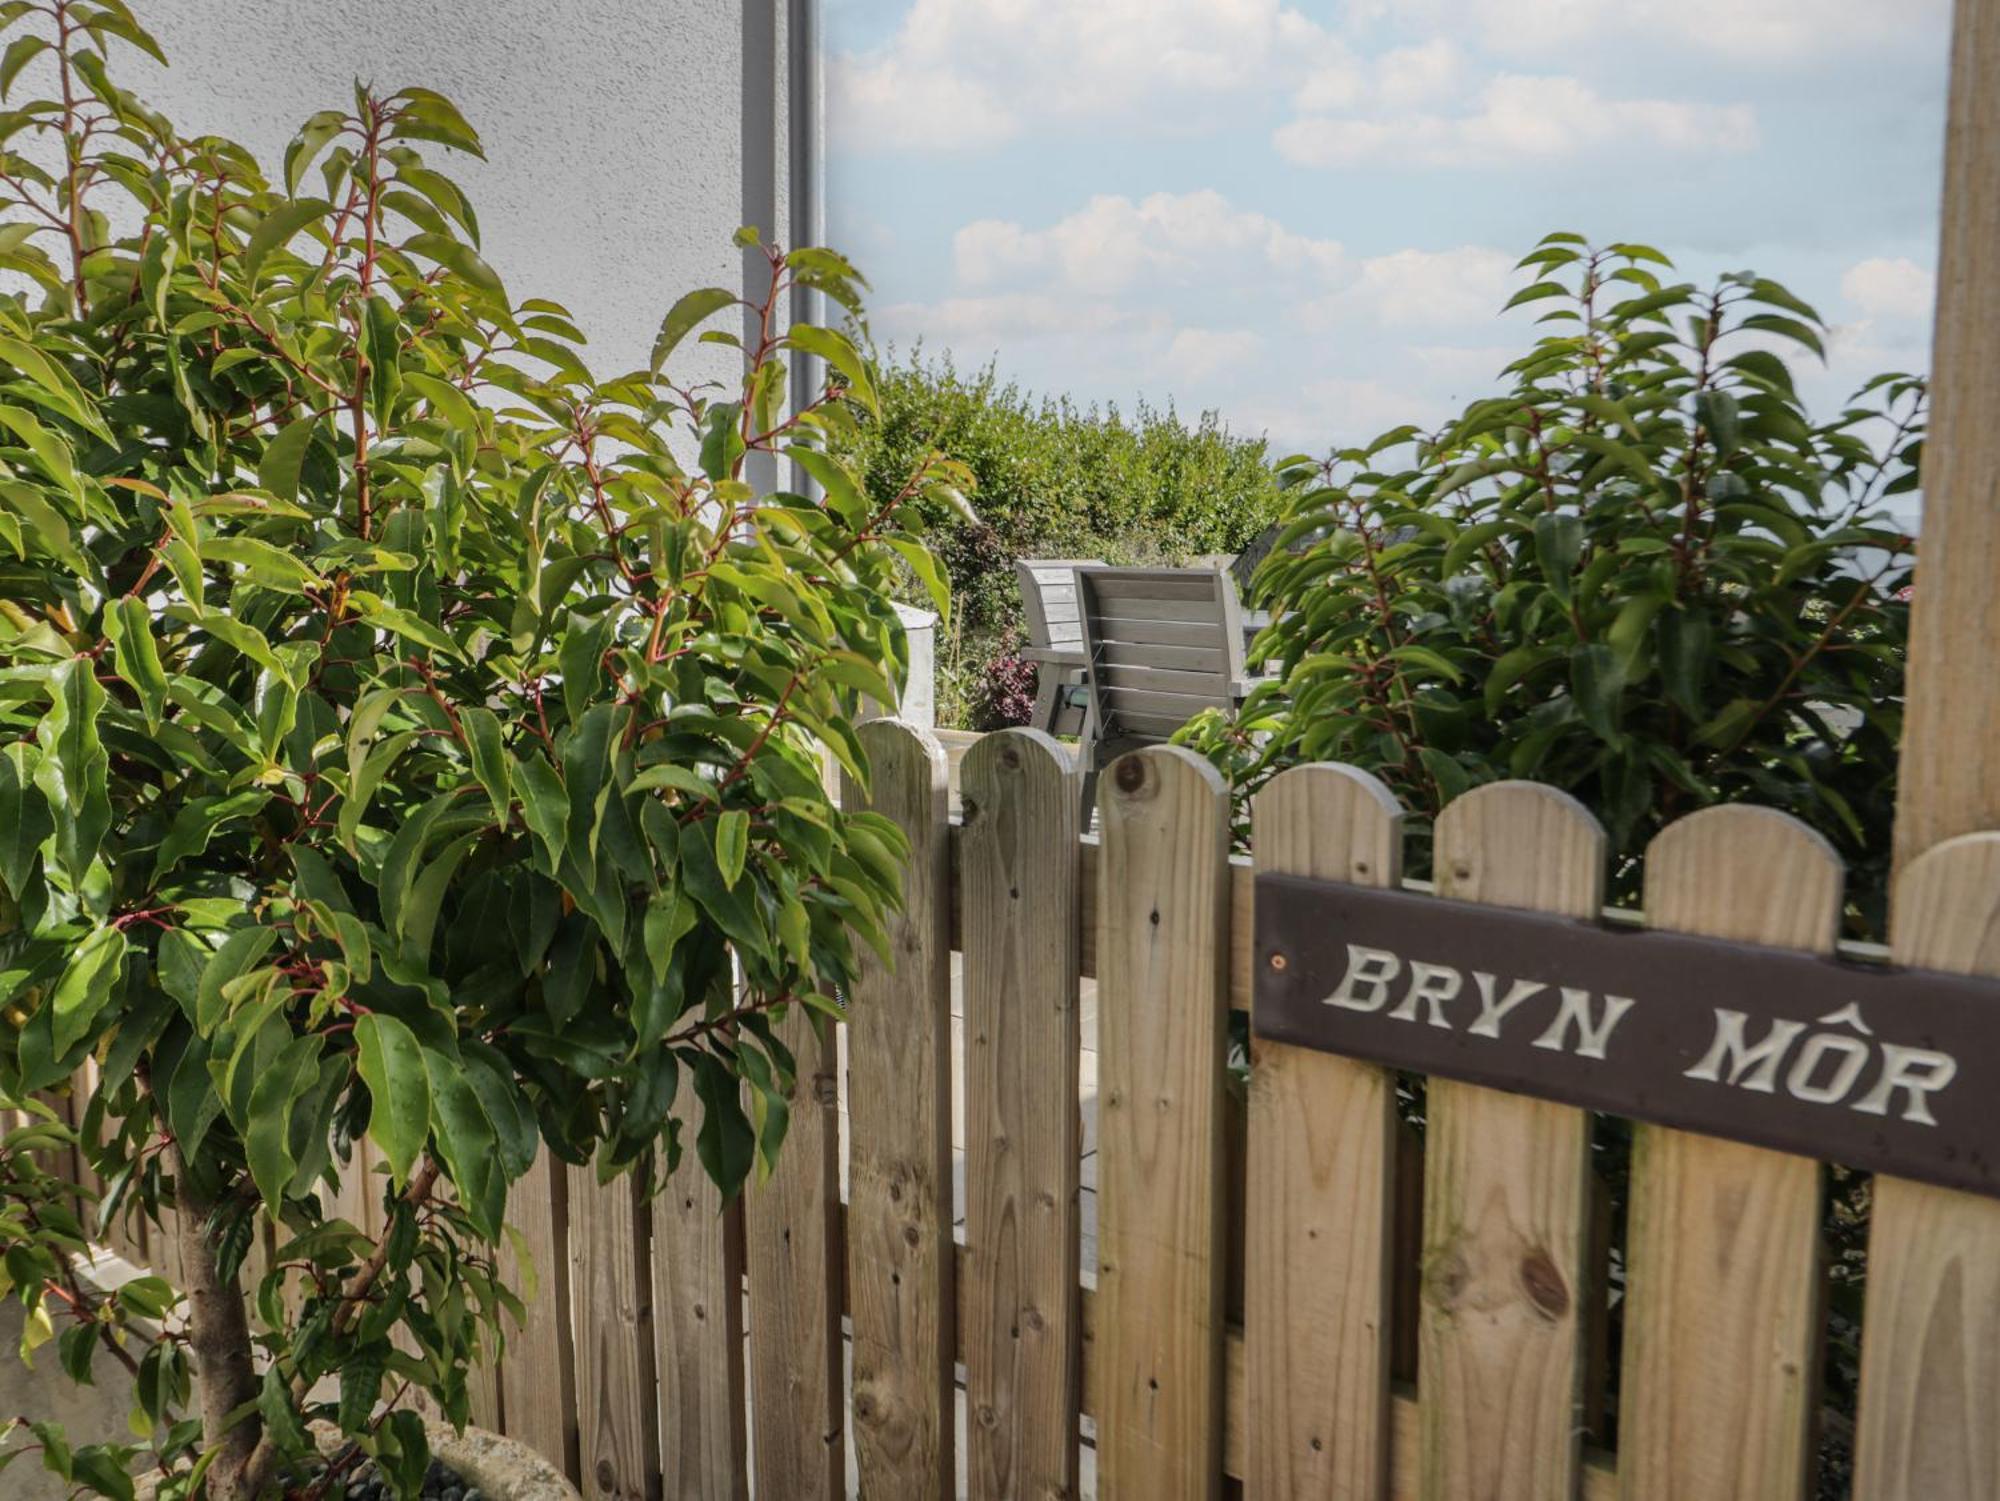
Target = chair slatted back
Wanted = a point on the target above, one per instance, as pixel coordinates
(1163, 644)
(1048, 593)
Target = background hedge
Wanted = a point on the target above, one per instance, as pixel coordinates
(1053, 479)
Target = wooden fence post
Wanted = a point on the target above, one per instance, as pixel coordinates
(538, 1377)
(1020, 880)
(1506, 1194)
(1722, 1307)
(792, 1256)
(1949, 778)
(1162, 997)
(1320, 1196)
(1933, 1332)
(899, 1211)
(612, 1291)
(698, 1320)
(1930, 1333)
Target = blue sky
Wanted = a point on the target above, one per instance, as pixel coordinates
(1303, 215)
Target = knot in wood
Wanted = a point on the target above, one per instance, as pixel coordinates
(1131, 775)
(1445, 1279)
(1544, 1284)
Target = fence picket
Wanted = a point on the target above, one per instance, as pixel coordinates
(899, 1212)
(1506, 1193)
(611, 1289)
(1021, 1310)
(538, 1376)
(1722, 1320)
(1321, 1190)
(1930, 1351)
(1164, 906)
(792, 1256)
(698, 1320)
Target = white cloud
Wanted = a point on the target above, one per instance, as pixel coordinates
(962, 73)
(1402, 78)
(1192, 298)
(968, 74)
(889, 99)
(1421, 288)
(981, 325)
(1340, 412)
(1895, 297)
(1113, 244)
(1884, 287)
(1518, 118)
(1197, 355)
(1768, 33)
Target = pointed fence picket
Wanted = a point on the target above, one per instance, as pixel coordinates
(1020, 1305)
(1162, 1017)
(899, 1210)
(1506, 1194)
(1723, 1320)
(1322, 1149)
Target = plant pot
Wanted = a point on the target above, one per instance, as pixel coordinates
(504, 1469)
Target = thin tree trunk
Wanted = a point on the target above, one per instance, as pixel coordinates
(225, 1372)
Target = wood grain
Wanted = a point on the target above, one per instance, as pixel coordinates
(698, 1321)
(1019, 1293)
(1949, 779)
(538, 1374)
(899, 1211)
(1164, 908)
(1321, 1187)
(1930, 1353)
(793, 1260)
(1929, 1378)
(618, 1432)
(1723, 1317)
(1506, 1193)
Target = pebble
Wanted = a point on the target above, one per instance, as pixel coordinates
(441, 1483)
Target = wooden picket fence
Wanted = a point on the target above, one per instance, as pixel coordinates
(1301, 1296)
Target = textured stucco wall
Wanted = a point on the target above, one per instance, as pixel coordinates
(613, 129)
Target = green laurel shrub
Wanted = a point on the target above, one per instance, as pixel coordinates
(1054, 480)
(404, 732)
(1644, 574)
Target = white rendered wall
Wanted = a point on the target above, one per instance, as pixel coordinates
(614, 129)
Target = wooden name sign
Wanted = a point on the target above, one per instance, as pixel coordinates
(1881, 1068)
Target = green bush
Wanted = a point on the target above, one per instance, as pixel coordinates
(1644, 574)
(397, 738)
(1052, 479)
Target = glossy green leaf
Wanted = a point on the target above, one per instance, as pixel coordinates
(25, 820)
(732, 843)
(86, 986)
(277, 229)
(689, 313)
(490, 762)
(129, 624)
(72, 768)
(392, 1066)
(284, 458)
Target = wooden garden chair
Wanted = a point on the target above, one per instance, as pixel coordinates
(1160, 645)
(1055, 643)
